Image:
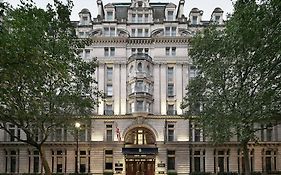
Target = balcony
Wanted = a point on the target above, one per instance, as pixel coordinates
(108, 112)
(172, 112)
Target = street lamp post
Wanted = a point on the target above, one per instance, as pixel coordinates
(77, 126)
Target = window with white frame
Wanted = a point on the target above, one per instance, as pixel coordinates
(134, 18)
(170, 15)
(109, 51)
(108, 160)
(109, 31)
(140, 18)
(146, 19)
(133, 33)
(194, 20)
(109, 16)
(109, 90)
(170, 74)
(221, 161)
(109, 72)
(171, 160)
(170, 132)
(241, 161)
(87, 53)
(170, 90)
(84, 161)
(108, 109)
(11, 161)
(58, 161)
(269, 160)
(170, 31)
(170, 51)
(109, 132)
(33, 161)
(14, 132)
(197, 158)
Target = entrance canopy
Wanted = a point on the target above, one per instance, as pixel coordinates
(140, 151)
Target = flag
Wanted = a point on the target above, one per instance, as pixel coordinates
(117, 132)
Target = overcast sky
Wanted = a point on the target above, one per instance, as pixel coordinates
(206, 5)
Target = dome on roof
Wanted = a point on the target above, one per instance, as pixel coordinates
(85, 11)
(195, 10)
(218, 10)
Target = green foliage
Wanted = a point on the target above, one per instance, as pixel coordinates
(239, 74)
(44, 84)
(172, 173)
(238, 83)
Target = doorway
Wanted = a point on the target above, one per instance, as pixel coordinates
(140, 167)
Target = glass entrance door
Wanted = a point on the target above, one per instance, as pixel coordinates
(140, 167)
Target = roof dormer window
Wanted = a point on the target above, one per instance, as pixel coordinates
(170, 15)
(217, 19)
(194, 20)
(109, 16)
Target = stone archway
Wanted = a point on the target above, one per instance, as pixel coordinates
(140, 150)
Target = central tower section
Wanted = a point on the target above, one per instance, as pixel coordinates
(140, 84)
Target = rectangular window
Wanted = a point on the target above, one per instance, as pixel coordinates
(108, 160)
(109, 133)
(171, 90)
(109, 51)
(174, 31)
(112, 31)
(170, 15)
(12, 130)
(109, 73)
(269, 132)
(171, 110)
(170, 31)
(146, 34)
(171, 160)
(134, 18)
(173, 53)
(59, 134)
(139, 18)
(217, 19)
(109, 90)
(36, 162)
(106, 51)
(192, 72)
(109, 31)
(146, 50)
(139, 32)
(194, 20)
(110, 16)
(146, 18)
(87, 54)
(167, 31)
(133, 32)
(112, 51)
(170, 74)
(171, 132)
(197, 135)
(140, 50)
(139, 106)
(108, 109)
(133, 50)
(106, 31)
(167, 51)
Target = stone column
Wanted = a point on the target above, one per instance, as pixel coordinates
(209, 160)
(23, 161)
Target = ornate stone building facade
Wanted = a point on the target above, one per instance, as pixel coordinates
(138, 129)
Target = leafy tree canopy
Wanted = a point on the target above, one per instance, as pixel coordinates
(44, 84)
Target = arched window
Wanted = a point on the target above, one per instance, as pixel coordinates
(140, 67)
(148, 69)
(140, 136)
(131, 69)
